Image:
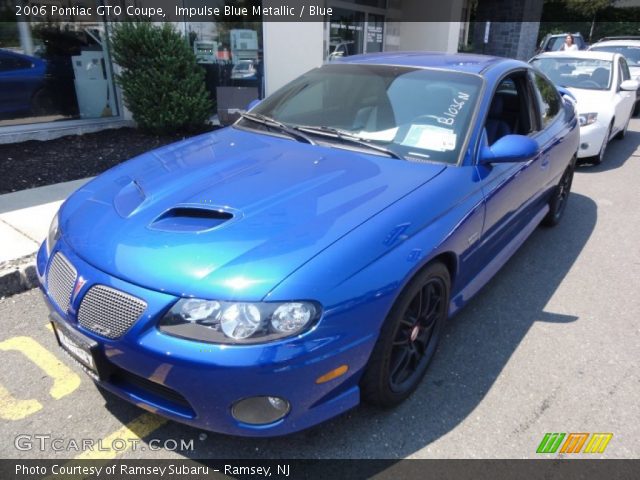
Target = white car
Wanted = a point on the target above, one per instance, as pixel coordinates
(244, 70)
(604, 92)
(629, 47)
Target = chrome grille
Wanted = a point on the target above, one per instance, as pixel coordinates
(109, 312)
(60, 280)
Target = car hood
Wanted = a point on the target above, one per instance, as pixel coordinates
(591, 100)
(229, 214)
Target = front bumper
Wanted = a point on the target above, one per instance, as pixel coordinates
(591, 138)
(197, 383)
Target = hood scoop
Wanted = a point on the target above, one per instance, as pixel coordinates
(191, 219)
(129, 198)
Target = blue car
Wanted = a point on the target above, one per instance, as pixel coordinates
(22, 81)
(263, 278)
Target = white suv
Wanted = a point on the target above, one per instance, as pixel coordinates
(629, 47)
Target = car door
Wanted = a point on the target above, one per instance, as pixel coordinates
(512, 191)
(627, 98)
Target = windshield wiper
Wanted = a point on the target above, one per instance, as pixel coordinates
(348, 137)
(271, 123)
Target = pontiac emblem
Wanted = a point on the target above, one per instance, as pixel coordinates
(80, 282)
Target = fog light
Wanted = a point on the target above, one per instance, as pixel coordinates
(584, 146)
(260, 410)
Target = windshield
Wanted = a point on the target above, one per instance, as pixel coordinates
(415, 113)
(585, 73)
(632, 54)
(555, 43)
(244, 66)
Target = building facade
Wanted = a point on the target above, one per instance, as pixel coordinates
(57, 75)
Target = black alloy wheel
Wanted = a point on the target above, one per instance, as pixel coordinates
(560, 197)
(408, 338)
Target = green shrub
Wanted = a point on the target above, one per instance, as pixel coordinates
(163, 86)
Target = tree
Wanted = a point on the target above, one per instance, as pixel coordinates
(590, 9)
(163, 85)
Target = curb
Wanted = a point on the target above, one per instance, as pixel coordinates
(18, 275)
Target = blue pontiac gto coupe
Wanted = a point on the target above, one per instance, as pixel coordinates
(268, 276)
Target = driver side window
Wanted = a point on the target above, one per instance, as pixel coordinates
(624, 73)
(509, 112)
(547, 97)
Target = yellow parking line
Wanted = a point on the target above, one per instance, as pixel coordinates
(131, 433)
(65, 381)
(14, 409)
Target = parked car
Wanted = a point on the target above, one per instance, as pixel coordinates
(22, 81)
(629, 47)
(605, 93)
(245, 70)
(554, 42)
(268, 276)
(340, 49)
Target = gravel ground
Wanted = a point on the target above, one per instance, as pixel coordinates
(36, 163)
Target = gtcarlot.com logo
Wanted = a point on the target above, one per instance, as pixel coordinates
(45, 442)
(574, 442)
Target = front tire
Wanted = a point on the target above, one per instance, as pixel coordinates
(622, 133)
(408, 338)
(559, 198)
(597, 160)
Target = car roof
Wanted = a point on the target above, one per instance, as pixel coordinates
(576, 34)
(460, 62)
(586, 54)
(617, 43)
(11, 53)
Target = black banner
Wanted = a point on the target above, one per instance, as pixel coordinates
(311, 11)
(548, 469)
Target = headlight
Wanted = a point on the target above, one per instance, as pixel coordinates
(587, 118)
(238, 322)
(291, 317)
(53, 235)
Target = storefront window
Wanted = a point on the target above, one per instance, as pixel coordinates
(53, 70)
(355, 31)
(230, 53)
(375, 32)
(346, 33)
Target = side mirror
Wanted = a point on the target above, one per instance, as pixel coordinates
(629, 85)
(510, 148)
(252, 104)
(566, 93)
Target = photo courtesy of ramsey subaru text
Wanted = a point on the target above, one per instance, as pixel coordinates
(265, 277)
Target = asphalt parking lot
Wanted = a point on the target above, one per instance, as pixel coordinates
(552, 344)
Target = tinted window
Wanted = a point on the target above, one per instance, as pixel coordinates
(547, 97)
(412, 111)
(624, 70)
(555, 43)
(508, 112)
